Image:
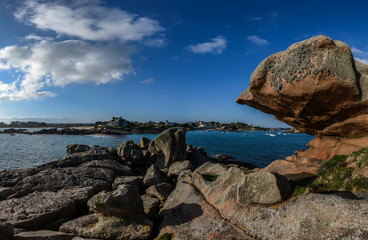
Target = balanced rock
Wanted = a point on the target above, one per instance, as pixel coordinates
(169, 147)
(314, 86)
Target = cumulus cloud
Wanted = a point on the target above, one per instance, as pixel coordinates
(360, 55)
(45, 63)
(215, 45)
(147, 81)
(257, 40)
(88, 21)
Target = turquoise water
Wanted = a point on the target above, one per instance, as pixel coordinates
(259, 148)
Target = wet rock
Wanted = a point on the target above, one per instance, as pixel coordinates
(153, 176)
(169, 147)
(94, 226)
(124, 201)
(130, 180)
(264, 188)
(110, 164)
(177, 167)
(6, 231)
(36, 209)
(160, 191)
(43, 235)
(144, 143)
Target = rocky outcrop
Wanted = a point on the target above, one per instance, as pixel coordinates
(43, 235)
(314, 86)
(168, 147)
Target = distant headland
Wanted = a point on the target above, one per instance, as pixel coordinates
(120, 126)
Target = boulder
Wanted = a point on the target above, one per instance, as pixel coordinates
(76, 148)
(36, 209)
(130, 151)
(74, 159)
(144, 143)
(110, 164)
(5, 192)
(187, 215)
(264, 188)
(160, 191)
(6, 231)
(151, 206)
(100, 227)
(314, 86)
(169, 147)
(177, 167)
(153, 176)
(130, 180)
(124, 201)
(43, 235)
(55, 179)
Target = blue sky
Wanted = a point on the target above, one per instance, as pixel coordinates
(84, 61)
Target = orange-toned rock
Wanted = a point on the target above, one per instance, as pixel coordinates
(314, 86)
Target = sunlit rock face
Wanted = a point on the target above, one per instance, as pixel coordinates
(315, 86)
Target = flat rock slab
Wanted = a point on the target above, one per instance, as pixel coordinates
(36, 209)
(93, 226)
(43, 235)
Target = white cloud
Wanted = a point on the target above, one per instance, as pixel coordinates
(88, 21)
(45, 63)
(147, 81)
(215, 46)
(258, 40)
(360, 55)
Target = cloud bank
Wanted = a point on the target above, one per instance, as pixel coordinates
(215, 46)
(99, 52)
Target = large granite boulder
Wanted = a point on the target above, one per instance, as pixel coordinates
(314, 86)
(264, 188)
(169, 147)
(128, 150)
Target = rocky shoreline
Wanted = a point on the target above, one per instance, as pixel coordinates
(164, 189)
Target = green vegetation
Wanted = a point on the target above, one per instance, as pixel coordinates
(165, 236)
(299, 190)
(339, 175)
(209, 177)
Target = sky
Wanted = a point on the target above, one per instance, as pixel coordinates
(86, 61)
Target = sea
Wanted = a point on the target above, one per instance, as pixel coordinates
(259, 148)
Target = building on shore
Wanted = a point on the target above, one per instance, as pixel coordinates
(117, 122)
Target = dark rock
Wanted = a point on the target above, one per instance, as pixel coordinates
(76, 148)
(177, 167)
(197, 157)
(144, 143)
(153, 176)
(160, 191)
(124, 201)
(151, 206)
(36, 209)
(130, 151)
(264, 188)
(94, 226)
(77, 158)
(169, 147)
(43, 235)
(110, 164)
(5, 192)
(63, 178)
(130, 180)
(6, 231)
